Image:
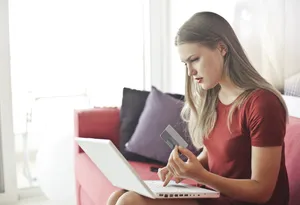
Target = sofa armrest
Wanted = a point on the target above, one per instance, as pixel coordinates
(101, 123)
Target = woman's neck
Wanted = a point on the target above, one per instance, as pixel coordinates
(229, 91)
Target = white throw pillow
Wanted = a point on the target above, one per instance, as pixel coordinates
(293, 105)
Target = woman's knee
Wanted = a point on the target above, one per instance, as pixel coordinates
(114, 197)
(130, 198)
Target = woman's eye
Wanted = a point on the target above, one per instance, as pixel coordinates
(194, 60)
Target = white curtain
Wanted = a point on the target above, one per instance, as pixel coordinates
(68, 54)
(267, 30)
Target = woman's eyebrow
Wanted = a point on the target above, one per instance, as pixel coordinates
(188, 59)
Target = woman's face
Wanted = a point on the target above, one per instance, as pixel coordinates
(205, 65)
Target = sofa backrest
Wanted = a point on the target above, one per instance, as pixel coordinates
(292, 156)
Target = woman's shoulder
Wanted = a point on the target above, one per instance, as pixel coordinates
(261, 95)
(265, 118)
(263, 101)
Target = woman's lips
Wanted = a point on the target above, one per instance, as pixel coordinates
(199, 80)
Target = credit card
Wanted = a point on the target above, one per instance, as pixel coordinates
(172, 138)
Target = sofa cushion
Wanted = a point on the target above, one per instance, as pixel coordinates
(292, 156)
(133, 103)
(83, 197)
(160, 111)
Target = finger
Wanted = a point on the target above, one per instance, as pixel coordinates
(187, 153)
(178, 179)
(168, 179)
(177, 160)
(160, 174)
(163, 171)
(177, 169)
(171, 169)
(171, 155)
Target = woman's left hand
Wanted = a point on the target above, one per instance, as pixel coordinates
(192, 168)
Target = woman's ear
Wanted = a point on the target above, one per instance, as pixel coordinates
(222, 48)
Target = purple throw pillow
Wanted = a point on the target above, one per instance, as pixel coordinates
(160, 111)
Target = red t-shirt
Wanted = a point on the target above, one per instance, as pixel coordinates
(260, 122)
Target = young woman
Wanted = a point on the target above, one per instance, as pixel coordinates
(234, 113)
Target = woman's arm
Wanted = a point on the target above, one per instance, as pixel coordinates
(265, 168)
(203, 158)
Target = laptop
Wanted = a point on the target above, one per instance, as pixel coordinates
(121, 174)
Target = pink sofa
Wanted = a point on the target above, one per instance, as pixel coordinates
(94, 189)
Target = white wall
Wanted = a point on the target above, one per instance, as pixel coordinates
(7, 138)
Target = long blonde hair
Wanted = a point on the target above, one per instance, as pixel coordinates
(199, 110)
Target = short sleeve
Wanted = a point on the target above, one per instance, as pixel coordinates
(267, 120)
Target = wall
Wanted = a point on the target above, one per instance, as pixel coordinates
(1, 166)
(7, 140)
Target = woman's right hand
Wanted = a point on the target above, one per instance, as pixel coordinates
(163, 174)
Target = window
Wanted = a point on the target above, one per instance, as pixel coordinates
(68, 54)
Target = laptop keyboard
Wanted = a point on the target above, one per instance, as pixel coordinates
(172, 187)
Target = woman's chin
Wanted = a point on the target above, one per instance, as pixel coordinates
(207, 86)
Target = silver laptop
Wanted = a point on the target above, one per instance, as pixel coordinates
(121, 174)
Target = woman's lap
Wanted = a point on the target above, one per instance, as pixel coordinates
(217, 201)
(222, 200)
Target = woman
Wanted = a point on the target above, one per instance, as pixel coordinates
(231, 111)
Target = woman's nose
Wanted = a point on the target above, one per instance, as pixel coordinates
(192, 72)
